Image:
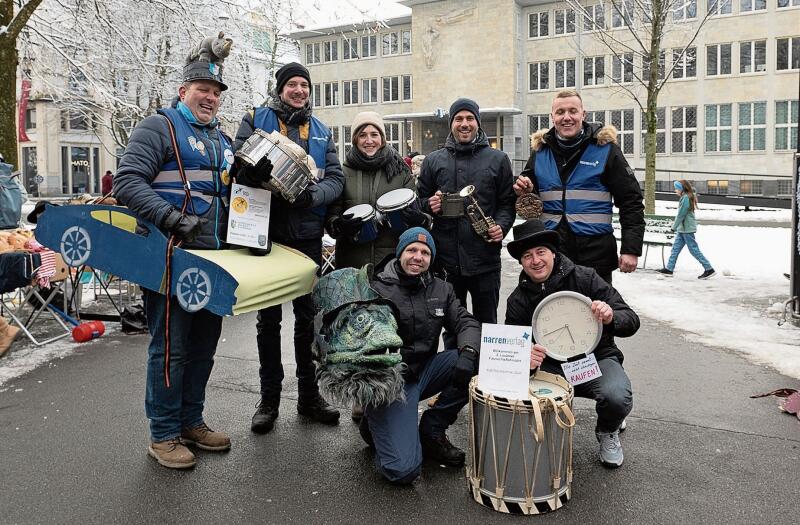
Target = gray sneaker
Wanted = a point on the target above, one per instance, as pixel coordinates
(610, 448)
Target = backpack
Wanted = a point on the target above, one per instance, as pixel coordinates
(10, 199)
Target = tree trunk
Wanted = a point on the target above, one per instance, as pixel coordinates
(8, 99)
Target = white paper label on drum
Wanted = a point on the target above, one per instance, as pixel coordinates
(248, 217)
(581, 371)
(504, 367)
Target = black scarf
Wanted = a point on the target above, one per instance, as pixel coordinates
(480, 140)
(385, 158)
(290, 116)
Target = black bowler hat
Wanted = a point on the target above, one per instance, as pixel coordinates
(38, 209)
(530, 234)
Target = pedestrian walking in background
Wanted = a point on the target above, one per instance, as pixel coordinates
(685, 226)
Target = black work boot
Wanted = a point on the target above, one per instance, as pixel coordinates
(439, 449)
(265, 416)
(317, 409)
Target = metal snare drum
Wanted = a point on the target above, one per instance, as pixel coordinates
(452, 205)
(521, 451)
(369, 222)
(290, 174)
(390, 208)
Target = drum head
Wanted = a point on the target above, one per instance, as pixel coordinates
(542, 388)
(395, 199)
(360, 211)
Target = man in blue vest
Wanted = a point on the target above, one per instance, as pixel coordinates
(299, 225)
(580, 173)
(150, 184)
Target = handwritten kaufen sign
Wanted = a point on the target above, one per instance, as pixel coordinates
(505, 360)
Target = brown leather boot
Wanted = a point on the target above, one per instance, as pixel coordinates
(172, 453)
(204, 438)
(7, 335)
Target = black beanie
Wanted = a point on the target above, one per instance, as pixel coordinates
(462, 104)
(292, 69)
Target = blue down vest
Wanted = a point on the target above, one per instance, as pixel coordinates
(207, 159)
(585, 200)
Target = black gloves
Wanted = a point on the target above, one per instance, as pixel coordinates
(303, 200)
(184, 227)
(412, 217)
(465, 367)
(344, 226)
(253, 175)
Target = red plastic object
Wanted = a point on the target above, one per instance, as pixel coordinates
(88, 331)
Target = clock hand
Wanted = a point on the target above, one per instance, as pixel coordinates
(569, 333)
(554, 331)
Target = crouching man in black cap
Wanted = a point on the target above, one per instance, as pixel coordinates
(546, 271)
(300, 225)
(424, 305)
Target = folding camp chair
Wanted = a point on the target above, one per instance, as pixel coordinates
(328, 254)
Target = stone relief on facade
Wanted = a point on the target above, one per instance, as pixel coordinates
(432, 31)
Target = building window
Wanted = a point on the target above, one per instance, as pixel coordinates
(718, 187)
(75, 121)
(720, 7)
(537, 122)
(622, 119)
(719, 119)
(350, 89)
(369, 46)
(75, 170)
(784, 187)
(718, 59)
(393, 135)
(752, 126)
(684, 129)
(786, 124)
(331, 90)
(661, 131)
(686, 65)
(622, 68)
(594, 18)
(788, 3)
(30, 169)
(594, 71)
(350, 48)
(788, 53)
(621, 13)
(753, 56)
(396, 87)
(396, 43)
(335, 138)
(346, 137)
(369, 91)
(685, 10)
(30, 118)
(752, 5)
(330, 50)
(751, 187)
(564, 21)
(662, 62)
(316, 95)
(565, 73)
(596, 116)
(538, 24)
(313, 53)
(539, 76)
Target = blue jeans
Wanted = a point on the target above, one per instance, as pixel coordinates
(398, 453)
(612, 391)
(688, 240)
(193, 342)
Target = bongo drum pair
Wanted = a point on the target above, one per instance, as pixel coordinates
(389, 213)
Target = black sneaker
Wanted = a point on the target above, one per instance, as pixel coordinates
(706, 274)
(318, 409)
(265, 416)
(363, 429)
(665, 271)
(439, 449)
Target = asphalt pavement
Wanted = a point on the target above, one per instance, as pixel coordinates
(73, 441)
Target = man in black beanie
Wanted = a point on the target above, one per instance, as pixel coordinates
(298, 225)
(471, 263)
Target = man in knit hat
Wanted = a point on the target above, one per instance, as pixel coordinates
(298, 225)
(424, 305)
(472, 264)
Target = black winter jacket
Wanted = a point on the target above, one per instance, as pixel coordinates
(460, 250)
(424, 305)
(598, 251)
(571, 277)
(149, 148)
(288, 223)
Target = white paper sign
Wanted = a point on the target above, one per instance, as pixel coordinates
(504, 367)
(581, 371)
(248, 218)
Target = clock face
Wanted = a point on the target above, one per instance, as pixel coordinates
(563, 323)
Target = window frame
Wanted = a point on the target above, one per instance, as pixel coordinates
(565, 73)
(347, 48)
(625, 61)
(683, 130)
(624, 135)
(661, 120)
(719, 60)
(347, 89)
(539, 15)
(564, 16)
(372, 47)
(590, 22)
(592, 75)
(717, 128)
(792, 61)
(687, 63)
(752, 51)
(751, 126)
(373, 83)
(788, 126)
(546, 65)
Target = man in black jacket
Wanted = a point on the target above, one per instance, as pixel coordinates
(545, 271)
(471, 263)
(299, 225)
(577, 169)
(424, 305)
